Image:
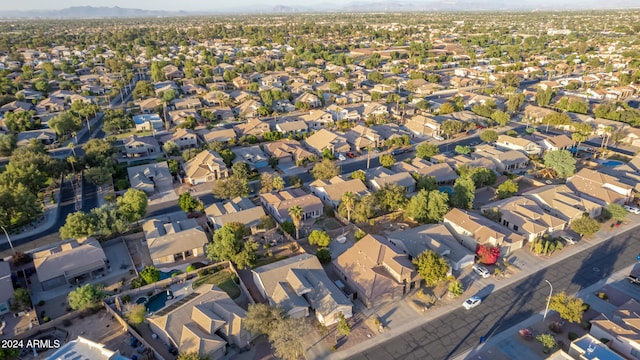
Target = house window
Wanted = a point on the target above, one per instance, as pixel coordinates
(515, 227)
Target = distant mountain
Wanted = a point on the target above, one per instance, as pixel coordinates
(86, 12)
(484, 5)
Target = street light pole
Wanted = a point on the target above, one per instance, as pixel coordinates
(8, 239)
(548, 300)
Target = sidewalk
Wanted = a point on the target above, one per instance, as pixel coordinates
(48, 219)
(522, 260)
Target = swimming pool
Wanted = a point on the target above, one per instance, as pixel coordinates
(611, 163)
(159, 300)
(142, 300)
(166, 275)
(447, 189)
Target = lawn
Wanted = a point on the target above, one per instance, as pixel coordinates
(269, 260)
(222, 279)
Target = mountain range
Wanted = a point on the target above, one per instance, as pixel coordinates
(84, 12)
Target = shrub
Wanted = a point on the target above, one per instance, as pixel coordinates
(46, 319)
(203, 272)
(572, 336)
(455, 288)
(585, 307)
(190, 268)
(555, 327)
(126, 298)
(602, 295)
(488, 255)
(41, 303)
(359, 234)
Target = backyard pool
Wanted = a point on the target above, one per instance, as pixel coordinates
(158, 301)
(447, 189)
(166, 275)
(611, 163)
(142, 300)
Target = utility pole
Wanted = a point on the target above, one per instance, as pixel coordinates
(548, 300)
(13, 251)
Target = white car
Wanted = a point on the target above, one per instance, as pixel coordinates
(481, 270)
(632, 209)
(568, 239)
(471, 302)
(341, 157)
(438, 137)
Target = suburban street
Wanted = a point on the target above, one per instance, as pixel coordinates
(459, 330)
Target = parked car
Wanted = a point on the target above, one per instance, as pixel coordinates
(632, 209)
(341, 157)
(568, 239)
(351, 155)
(472, 302)
(438, 137)
(481, 270)
(397, 152)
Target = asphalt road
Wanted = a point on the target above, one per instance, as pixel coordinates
(459, 330)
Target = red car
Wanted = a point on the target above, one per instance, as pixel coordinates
(351, 155)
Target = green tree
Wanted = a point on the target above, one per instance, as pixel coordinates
(65, 123)
(319, 238)
(617, 211)
(296, 213)
(324, 170)
(547, 340)
(543, 97)
(514, 102)
(77, 225)
(7, 144)
(21, 300)
(241, 169)
(192, 356)
(136, 314)
(359, 174)
(324, 255)
(585, 225)
(343, 328)
(392, 197)
(463, 150)
(171, 148)
(231, 187)
(500, 117)
(561, 161)
(425, 182)
(432, 267)
(150, 274)
(261, 319)
(464, 190)
(133, 204)
(278, 183)
(455, 288)
(98, 175)
(426, 150)
(489, 136)
(287, 337)
(568, 307)
(507, 189)
(20, 121)
(387, 160)
(349, 201)
(189, 204)
(85, 297)
(451, 127)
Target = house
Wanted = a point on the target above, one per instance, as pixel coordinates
(631, 136)
(621, 329)
(560, 201)
(589, 347)
(317, 119)
(297, 127)
(434, 237)
(207, 166)
(308, 98)
(240, 210)
(423, 126)
(247, 109)
(186, 103)
(255, 127)
(50, 105)
(599, 187)
(324, 139)
(299, 283)
(287, 151)
(150, 176)
(443, 173)
(16, 106)
(219, 134)
(218, 113)
(473, 230)
(206, 321)
(184, 138)
(70, 263)
(252, 155)
(148, 122)
(171, 72)
(505, 161)
(44, 136)
(552, 142)
(82, 348)
(170, 240)
(177, 117)
(528, 147)
(535, 114)
(278, 204)
(361, 137)
(149, 105)
(524, 216)
(381, 176)
(464, 160)
(141, 146)
(376, 271)
(331, 191)
(6, 287)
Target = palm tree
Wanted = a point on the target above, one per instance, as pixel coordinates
(348, 199)
(606, 135)
(296, 213)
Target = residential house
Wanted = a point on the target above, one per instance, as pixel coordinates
(317, 119)
(423, 126)
(219, 113)
(247, 109)
(161, 87)
(148, 122)
(207, 166)
(177, 117)
(6, 287)
(15, 106)
(150, 177)
(240, 210)
(252, 155)
(70, 263)
(43, 136)
(381, 176)
(186, 103)
(599, 187)
(331, 191)
(217, 134)
(473, 230)
(361, 138)
(506, 161)
(376, 271)
(631, 136)
(255, 127)
(171, 239)
(621, 328)
(193, 89)
(297, 127)
(528, 147)
(141, 146)
(216, 98)
(526, 217)
(443, 173)
(464, 160)
(148, 106)
(299, 283)
(240, 82)
(206, 322)
(560, 201)
(171, 72)
(535, 114)
(50, 105)
(434, 237)
(324, 139)
(278, 204)
(287, 151)
(551, 142)
(308, 98)
(184, 138)
(589, 347)
(373, 109)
